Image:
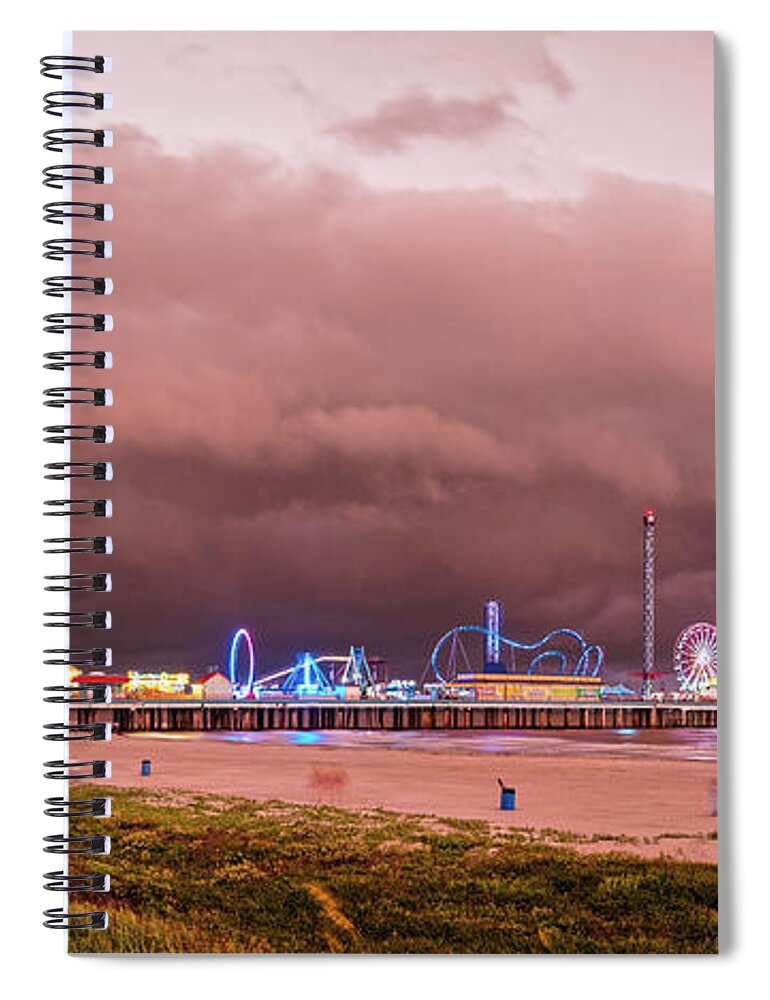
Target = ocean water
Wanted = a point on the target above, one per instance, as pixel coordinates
(665, 744)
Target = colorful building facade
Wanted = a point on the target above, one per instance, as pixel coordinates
(528, 687)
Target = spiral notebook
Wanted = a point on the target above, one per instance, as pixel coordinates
(382, 498)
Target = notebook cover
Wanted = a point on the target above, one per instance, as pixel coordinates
(413, 643)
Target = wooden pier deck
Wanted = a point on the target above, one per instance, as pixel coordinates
(185, 716)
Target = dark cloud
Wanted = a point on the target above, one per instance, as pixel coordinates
(346, 416)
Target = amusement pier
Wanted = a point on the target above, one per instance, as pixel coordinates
(477, 677)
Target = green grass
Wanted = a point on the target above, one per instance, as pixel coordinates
(200, 873)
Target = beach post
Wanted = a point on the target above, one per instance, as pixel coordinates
(507, 797)
(146, 768)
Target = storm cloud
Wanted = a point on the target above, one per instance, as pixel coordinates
(345, 415)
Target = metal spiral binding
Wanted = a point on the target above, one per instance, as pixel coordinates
(98, 583)
(96, 656)
(57, 361)
(70, 770)
(93, 433)
(58, 843)
(78, 508)
(99, 322)
(57, 919)
(57, 101)
(69, 883)
(97, 470)
(59, 249)
(58, 211)
(57, 138)
(65, 177)
(93, 545)
(68, 694)
(57, 175)
(54, 66)
(77, 807)
(79, 619)
(65, 284)
(67, 395)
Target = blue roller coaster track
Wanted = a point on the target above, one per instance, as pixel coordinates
(586, 663)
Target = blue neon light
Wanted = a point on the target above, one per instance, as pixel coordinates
(307, 678)
(493, 616)
(587, 664)
(242, 635)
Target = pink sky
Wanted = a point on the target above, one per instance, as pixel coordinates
(636, 103)
(404, 322)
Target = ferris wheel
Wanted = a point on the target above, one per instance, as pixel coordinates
(695, 658)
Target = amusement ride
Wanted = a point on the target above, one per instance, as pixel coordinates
(310, 676)
(563, 648)
(482, 655)
(695, 658)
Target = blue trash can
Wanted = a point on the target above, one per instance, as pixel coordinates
(146, 768)
(507, 797)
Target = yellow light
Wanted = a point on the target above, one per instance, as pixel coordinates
(163, 682)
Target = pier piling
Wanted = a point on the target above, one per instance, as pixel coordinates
(144, 716)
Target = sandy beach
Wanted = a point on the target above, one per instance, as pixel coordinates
(664, 806)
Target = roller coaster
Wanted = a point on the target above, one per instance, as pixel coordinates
(578, 658)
